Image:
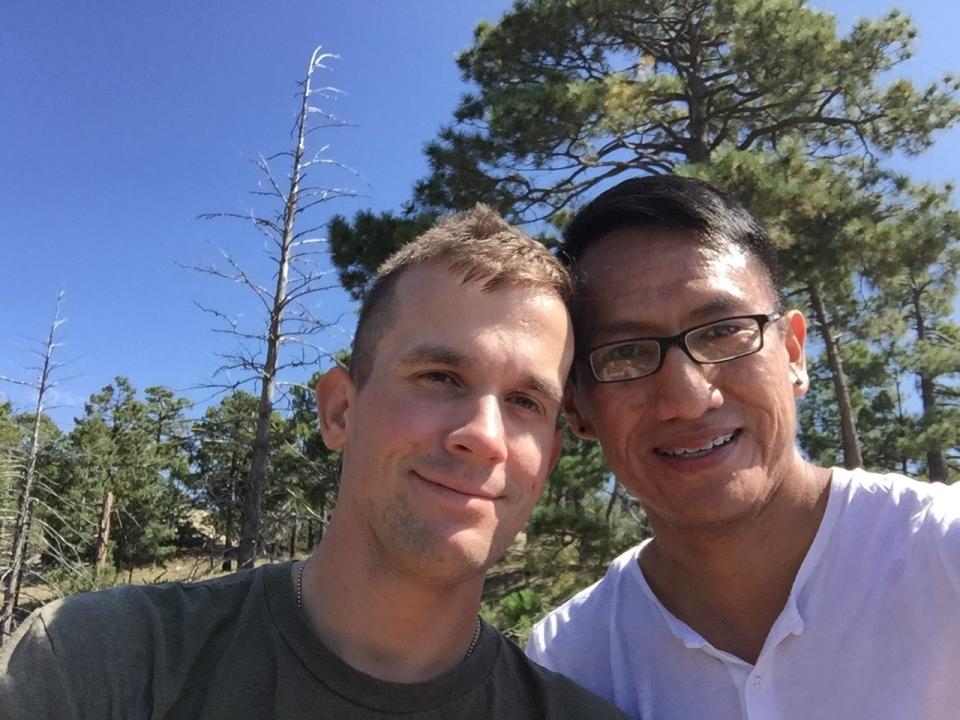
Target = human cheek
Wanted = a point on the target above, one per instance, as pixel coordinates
(619, 415)
(769, 406)
(528, 464)
(421, 414)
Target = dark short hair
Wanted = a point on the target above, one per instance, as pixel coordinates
(478, 245)
(711, 215)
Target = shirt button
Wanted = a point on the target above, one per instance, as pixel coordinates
(757, 684)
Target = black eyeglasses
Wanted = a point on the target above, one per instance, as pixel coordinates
(714, 342)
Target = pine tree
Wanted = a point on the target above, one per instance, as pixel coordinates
(569, 95)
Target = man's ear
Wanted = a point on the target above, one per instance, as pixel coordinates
(795, 341)
(336, 392)
(578, 422)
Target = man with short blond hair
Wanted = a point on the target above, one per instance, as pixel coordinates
(447, 423)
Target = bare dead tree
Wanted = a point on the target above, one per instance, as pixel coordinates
(286, 339)
(13, 573)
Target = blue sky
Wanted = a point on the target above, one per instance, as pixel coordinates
(121, 121)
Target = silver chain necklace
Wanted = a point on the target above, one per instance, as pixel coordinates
(303, 566)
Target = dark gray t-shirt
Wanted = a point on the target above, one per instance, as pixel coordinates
(238, 647)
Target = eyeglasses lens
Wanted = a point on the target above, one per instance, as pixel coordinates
(626, 361)
(725, 340)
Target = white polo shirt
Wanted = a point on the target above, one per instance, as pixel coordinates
(871, 628)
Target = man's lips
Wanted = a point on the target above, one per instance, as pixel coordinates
(459, 488)
(699, 445)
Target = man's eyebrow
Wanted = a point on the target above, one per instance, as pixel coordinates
(713, 309)
(542, 386)
(428, 354)
(438, 354)
(726, 305)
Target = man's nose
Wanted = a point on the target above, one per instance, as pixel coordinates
(683, 389)
(481, 435)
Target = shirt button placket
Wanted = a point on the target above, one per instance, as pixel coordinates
(757, 698)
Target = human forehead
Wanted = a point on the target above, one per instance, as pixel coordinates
(658, 280)
(435, 285)
(434, 307)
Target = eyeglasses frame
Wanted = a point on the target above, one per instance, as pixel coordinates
(680, 340)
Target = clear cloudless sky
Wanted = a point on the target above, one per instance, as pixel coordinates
(121, 121)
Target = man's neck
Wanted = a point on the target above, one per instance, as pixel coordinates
(382, 622)
(731, 583)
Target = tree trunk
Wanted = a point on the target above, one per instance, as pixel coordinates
(253, 487)
(310, 535)
(852, 457)
(23, 565)
(614, 496)
(228, 539)
(103, 535)
(293, 540)
(936, 463)
(25, 503)
(21, 528)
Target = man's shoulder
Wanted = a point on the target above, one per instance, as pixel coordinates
(134, 604)
(592, 605)
(125, 647)
(558, 695)
(901, 520)
(575, 638)
(899, 495)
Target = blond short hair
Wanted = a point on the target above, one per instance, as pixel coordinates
(478, 245)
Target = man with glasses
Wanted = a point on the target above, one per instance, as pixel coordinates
(771, 588)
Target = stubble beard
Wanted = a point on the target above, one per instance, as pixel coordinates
(405, 543)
